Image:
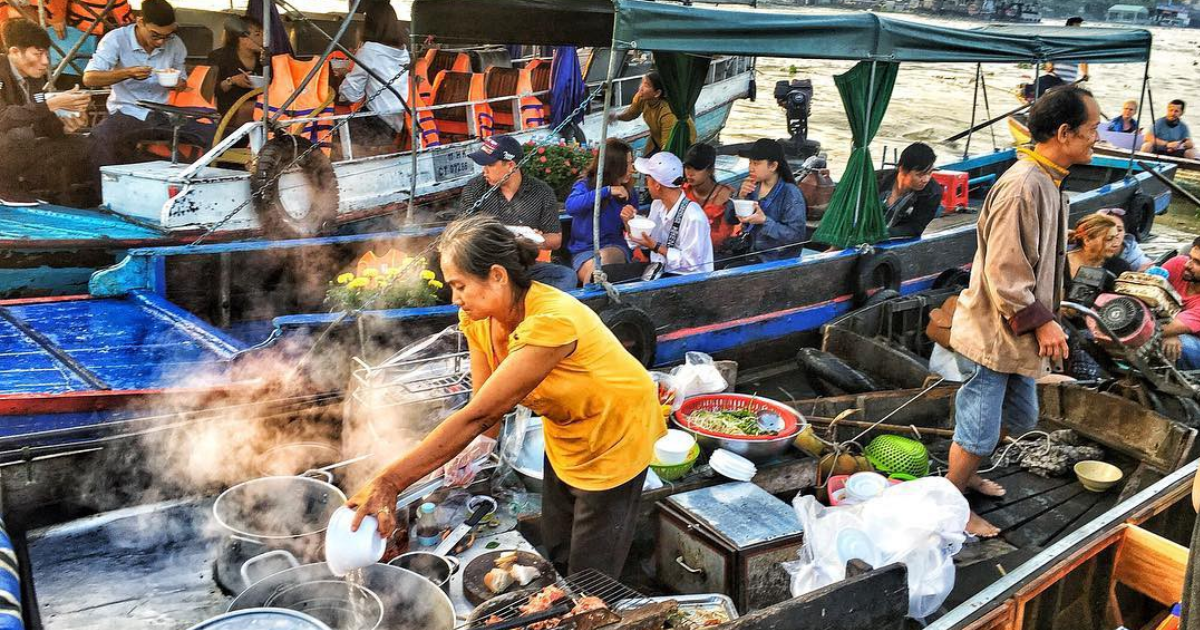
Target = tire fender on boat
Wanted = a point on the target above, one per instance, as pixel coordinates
(1139, 216)
(824, 370)
(880, 270)
(279, 220)
(634, 329)
(952, 278)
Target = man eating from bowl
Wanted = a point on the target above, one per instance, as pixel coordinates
(143, 61)
(520, 200)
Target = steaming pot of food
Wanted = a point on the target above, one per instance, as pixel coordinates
(378, 597)
(271, 523)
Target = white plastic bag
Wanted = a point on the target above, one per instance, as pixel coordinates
(919, 523)
(698, 375)
(944, 362)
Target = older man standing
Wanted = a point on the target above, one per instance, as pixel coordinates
(1005, 326)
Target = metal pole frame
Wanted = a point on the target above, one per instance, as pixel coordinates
(267, 60)
(350, 55)
(415, 138)
(316, 67)
(1141, 117)
(974, 109)
(598, 276)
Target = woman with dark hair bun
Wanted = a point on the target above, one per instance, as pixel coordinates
(650, 103)
(382, 51)
(534, 345)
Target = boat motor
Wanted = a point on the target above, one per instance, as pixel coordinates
(795, 97)
(1126, 321)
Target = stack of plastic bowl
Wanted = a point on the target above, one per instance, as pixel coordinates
(732, 465)
(674, 455)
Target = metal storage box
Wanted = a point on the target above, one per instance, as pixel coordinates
(728, 539)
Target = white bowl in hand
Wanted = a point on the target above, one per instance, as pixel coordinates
(257, 81)
(168, 77)
(527, 233)
(744, 207)
(640, 227)
(345, 550)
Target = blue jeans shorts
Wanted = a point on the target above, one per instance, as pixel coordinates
(989, 400)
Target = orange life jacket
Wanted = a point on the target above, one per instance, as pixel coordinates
(426, 126)
(534, 113)
(82, 13)
(200, 92)
(316, 101)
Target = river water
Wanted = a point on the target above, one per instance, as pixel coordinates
(933, 101)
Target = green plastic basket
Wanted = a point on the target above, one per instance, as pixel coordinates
(894, 454)
(673, 473)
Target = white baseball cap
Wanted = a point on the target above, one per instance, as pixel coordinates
(664, 167)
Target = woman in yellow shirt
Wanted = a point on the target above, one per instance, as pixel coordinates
(534, 345)
(651, 104)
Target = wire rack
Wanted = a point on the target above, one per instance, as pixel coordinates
(588, 583)
(404, 378)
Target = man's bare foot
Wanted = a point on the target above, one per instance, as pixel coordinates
(978, 527)
(986, 487)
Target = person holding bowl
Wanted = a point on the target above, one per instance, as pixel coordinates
(534, 345)
(143, 61)
(778, 216)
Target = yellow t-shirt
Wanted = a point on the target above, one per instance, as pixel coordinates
(600, 409)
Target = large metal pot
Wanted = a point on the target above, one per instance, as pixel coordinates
(405, 600)
(272, 523)
(753, 450)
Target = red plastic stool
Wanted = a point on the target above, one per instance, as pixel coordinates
(955, 189)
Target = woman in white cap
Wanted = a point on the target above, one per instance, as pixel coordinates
(680, 240)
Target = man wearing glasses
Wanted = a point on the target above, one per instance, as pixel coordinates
(136, 61)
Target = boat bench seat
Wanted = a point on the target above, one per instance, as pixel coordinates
(497, 83)
(454, 123)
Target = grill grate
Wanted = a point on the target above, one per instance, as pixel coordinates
(397, 382)
(588, 583)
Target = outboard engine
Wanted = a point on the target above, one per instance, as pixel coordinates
(1126, 317)
(795, 97)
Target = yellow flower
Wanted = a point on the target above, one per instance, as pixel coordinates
(392, 272)
(359, 283)
(427, 275)
(344, 278)
(370, 272)
(435, 284)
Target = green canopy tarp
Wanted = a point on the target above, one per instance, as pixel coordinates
(855, 214)
(694, 29)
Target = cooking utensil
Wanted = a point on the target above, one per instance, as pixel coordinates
(517, 622)
(271, 519)
(341, 604)
(407, 599)
(262, 619)
(435, 568)
(477, 593)
(346, 550)
(481, 507)
(770, 421)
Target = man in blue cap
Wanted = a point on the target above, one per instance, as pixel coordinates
(518, 201)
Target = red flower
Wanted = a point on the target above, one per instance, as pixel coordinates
(541, 149)
(542, 160)
(574, 171)
(547, 170)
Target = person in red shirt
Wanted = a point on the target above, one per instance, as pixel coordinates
(699, 168)
(1180, 340)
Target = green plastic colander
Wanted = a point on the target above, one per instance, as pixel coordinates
(891, 454)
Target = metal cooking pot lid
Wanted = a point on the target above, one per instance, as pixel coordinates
(262, 619)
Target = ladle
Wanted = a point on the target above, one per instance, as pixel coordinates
(769, 421)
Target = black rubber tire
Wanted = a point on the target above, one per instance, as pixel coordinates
(831, 376)
(880, 296)
(276, 156)
(954, 278)
(1139, 216)
(634, 329)
(878, 271)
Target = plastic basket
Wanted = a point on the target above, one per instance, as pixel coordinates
(677, 471)
(793, 422)
(891, 454)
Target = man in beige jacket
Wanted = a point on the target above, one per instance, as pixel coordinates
(1005, 326)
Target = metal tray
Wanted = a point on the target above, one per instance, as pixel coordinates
(699, 600)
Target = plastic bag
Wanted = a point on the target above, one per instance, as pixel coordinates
(944, 362)
(919, 523)
(461, 470)
(698, 375)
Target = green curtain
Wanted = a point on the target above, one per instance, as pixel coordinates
(683, 77)
(855, 214)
